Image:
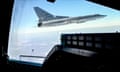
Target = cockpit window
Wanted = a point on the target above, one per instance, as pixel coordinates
(37, 25)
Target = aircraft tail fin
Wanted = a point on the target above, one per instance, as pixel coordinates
(42, 14)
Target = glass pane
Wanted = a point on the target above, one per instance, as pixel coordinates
(37, 25)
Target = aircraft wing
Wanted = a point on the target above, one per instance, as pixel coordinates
(81, 19)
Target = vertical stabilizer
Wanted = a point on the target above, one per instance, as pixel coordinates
(42, 14)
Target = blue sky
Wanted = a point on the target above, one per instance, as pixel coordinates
(25, 17)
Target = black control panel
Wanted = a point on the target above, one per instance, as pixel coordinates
(91, 41)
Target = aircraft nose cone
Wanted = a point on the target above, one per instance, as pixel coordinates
(39, 24)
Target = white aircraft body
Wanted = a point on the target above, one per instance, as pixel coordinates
(46, 19)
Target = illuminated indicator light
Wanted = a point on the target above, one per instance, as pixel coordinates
(74, 37)
(81, 37)
(97, 39)
(81, 43)
(88, 38)
(98, 45)
(89, 44)
(68, 42)
(74, 43)
(69, 37)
